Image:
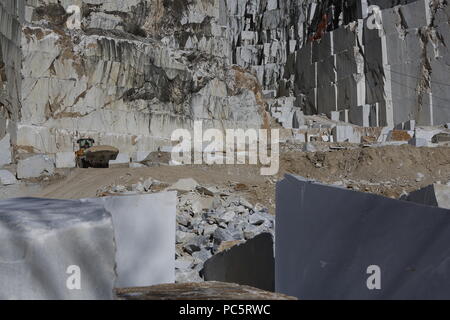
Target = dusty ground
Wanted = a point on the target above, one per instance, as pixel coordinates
(388, 171)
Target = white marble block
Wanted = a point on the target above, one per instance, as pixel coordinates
(144, 227)
(35, 166)
(55, 249)
(65, 160)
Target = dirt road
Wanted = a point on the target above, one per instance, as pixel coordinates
(388, 171)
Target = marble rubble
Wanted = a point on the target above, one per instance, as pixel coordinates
(209, 220)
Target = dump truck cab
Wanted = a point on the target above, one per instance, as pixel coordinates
(85, 143)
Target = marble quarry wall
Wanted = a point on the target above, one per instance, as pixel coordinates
(341, 67)
(11, 17)
(134, 71)
(380, 77)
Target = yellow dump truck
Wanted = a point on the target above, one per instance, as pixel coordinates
(90, 156)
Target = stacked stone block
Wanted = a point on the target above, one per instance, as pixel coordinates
(265, 35)
(381, 77)
(337, 65)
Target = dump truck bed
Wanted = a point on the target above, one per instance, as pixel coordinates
(99, 156)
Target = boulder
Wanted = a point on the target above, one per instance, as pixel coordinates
(184, 185)
(35, 166)
(257, 219)
(183, 219)
(227, 217)
(195, 244)
(199, 204)
(208, 229)
(221, 235)
(245, 203)
(7, 178)
(190, 276)
(202, 255)
(138, 187)
(184, 237)
(184, 263)
(208, 191)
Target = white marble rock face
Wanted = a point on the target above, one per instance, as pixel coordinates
(144, 227)
(41, 238)
(5, 150)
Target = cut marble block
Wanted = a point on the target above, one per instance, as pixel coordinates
(329, 249)
(35, 166)
(251, 263)
(144, 227)
(41, 239)
(65, 160)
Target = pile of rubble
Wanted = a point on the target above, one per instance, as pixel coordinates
(209, 220)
